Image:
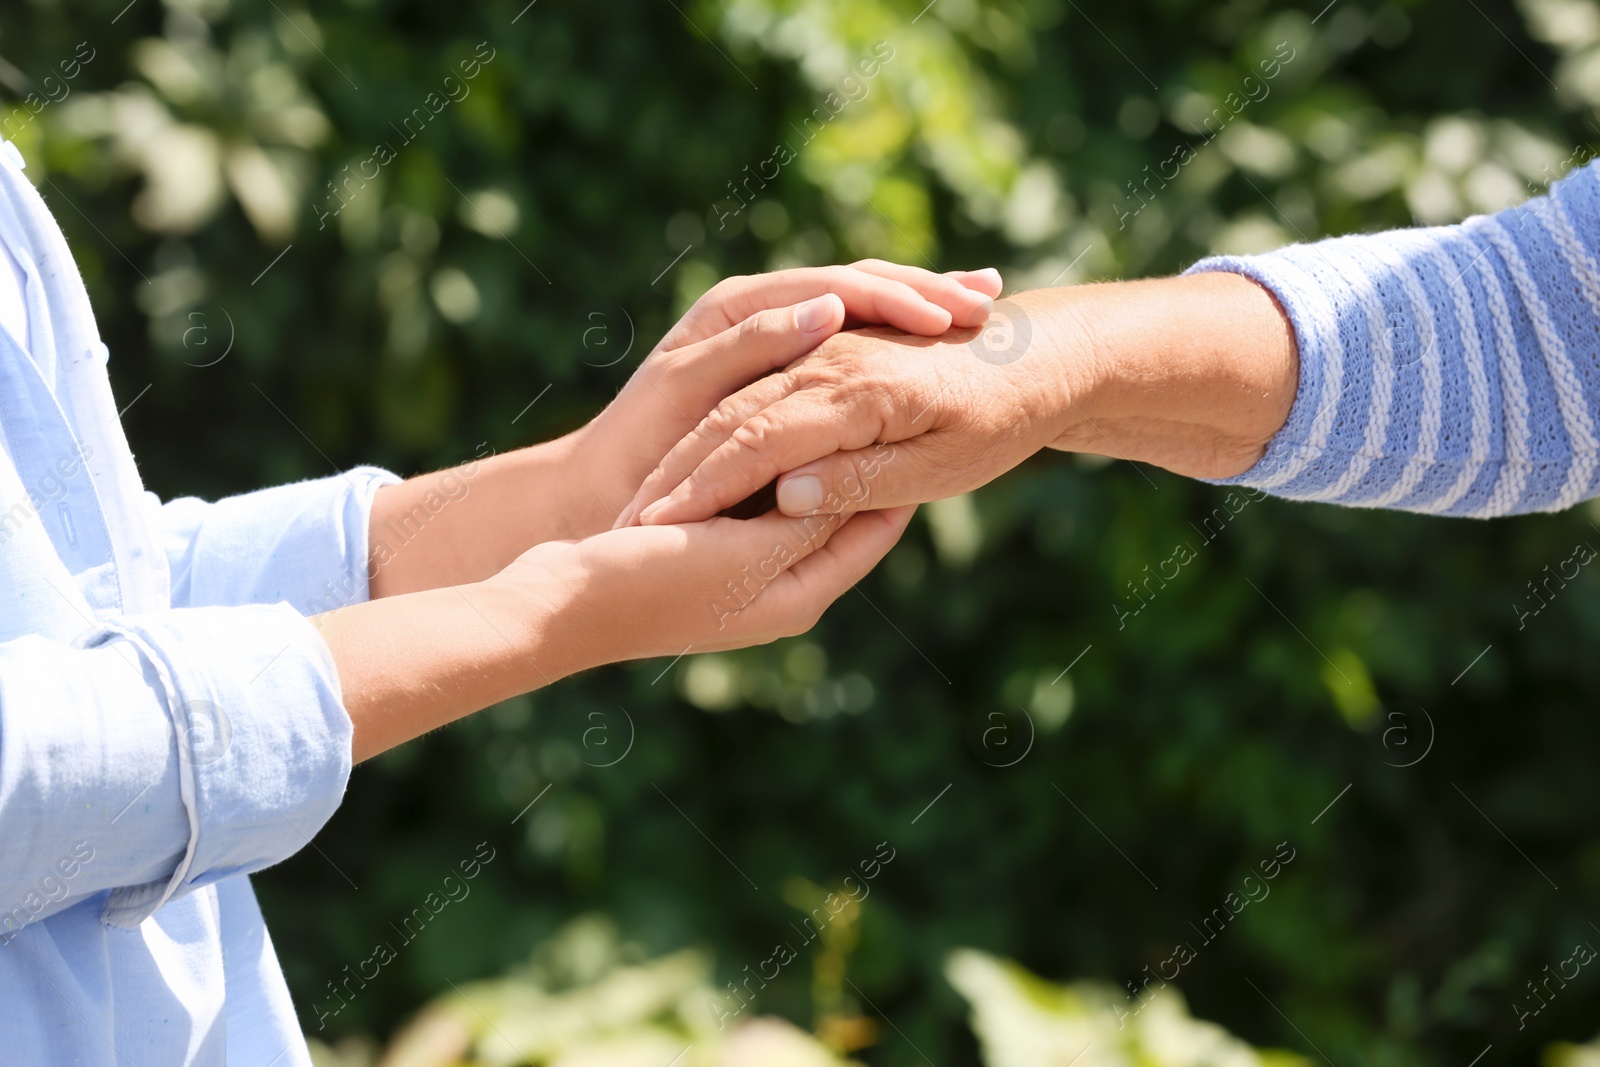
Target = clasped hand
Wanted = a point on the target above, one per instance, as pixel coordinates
(698, 580)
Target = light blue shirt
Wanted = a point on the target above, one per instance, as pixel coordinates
(169, 720)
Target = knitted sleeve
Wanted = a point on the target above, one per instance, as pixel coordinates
(1451, 370)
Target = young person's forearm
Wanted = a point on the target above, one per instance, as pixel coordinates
(1194, 374)
(467, 523)
(411, 663)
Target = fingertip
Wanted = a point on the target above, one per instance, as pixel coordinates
(979, 313)
(939, 320)
(836, 304)
(799, 494)
(986, 281)
(895, 519)
(822, 315)
(630, 514)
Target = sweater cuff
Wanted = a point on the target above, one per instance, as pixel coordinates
(1316, 397)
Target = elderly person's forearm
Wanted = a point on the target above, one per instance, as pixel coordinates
(1194, 374)
(1452, 370)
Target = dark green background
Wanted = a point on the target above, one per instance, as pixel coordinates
(1217, 724)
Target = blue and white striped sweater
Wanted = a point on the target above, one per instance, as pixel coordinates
(1452, 370)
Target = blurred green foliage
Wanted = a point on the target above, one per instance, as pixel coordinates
(577, 196)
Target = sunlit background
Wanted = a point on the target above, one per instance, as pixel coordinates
(971, 816)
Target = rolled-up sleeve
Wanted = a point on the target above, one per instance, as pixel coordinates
(201, 743)
(304, 544)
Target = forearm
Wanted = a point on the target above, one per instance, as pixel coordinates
(1449, 370)
(411, 663)
(1194, 374)
(467, 523)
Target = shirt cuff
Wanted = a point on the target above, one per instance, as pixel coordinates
(262, 739)
(305, 543)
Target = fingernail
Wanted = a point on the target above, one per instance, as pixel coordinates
(987, 272)
(654, 509)
(980, 313)
(800, 496)
(813, 315)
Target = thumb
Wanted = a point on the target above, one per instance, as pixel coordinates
(762, 343)
(865, 479)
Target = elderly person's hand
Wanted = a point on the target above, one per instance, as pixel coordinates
(1194, 374)
(743, 328)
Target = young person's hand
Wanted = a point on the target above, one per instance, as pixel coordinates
(408, 664)
(465, 524)
(723, 583)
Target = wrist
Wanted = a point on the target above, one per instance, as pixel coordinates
(414, 662)
(535, 607)
(558, 489)
(601, 476)
(1195, 374)
(1065, 366)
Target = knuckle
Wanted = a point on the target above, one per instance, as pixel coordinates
(726, 295)
(674, 361)
(839, 376)
(801, 621)
(755, 434)
(853, 483)
(712, 296)
(756, 327)
(721, 421)
(711, 429)
(882, 404)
